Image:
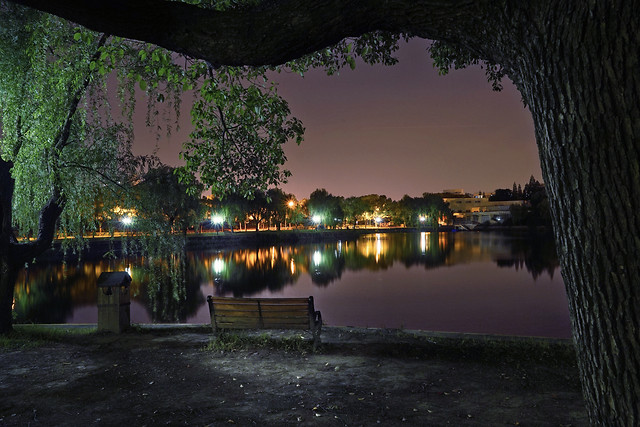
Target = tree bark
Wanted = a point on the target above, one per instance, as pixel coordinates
(8, 276)
(577, 67)
(271, 33)
(8, 272)
(581, 80)
(13, 255)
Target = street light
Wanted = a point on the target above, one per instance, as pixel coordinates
(217, 220)
(126, 221)
(291, 205)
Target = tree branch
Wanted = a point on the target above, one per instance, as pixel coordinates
(62, 139)
(272, 32)
(104, 176)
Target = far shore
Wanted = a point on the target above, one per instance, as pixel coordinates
(99, 246)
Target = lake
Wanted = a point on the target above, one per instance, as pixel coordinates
(454, 282)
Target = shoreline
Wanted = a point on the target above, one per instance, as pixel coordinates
(97, 247)
(374, 334)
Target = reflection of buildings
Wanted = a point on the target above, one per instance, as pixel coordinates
(478, 247)
(478, 209)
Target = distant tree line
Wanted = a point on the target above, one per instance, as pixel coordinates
(517, 192)
(161, 201)
(535, 212)
(276, 208)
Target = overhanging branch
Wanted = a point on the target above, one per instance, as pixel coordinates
(271, 33)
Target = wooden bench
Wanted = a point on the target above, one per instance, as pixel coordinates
(265, 313)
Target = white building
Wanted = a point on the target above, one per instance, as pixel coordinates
(478, 209)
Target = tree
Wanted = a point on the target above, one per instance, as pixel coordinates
(326, 206)
(532, 187)
(376, 206)
(575, 65)
(422, 211)
(501, 195)
(164, 203)
(57, 159)
(61, 149)
(233, 208)
(277, 206)
(353, 208)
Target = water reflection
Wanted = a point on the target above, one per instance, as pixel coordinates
(174, 289)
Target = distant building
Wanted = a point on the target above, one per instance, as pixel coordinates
(478, 209)
(456, 191)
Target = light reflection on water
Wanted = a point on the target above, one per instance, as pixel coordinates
(460, 282)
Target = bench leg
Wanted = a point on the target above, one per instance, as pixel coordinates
(317, 330)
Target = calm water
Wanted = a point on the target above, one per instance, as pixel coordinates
(460, 282)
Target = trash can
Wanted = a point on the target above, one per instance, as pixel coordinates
(114, 303)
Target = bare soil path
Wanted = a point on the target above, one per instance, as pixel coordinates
(358, 377)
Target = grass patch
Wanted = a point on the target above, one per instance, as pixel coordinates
(227, 341)
(486, 350)
(33, 336)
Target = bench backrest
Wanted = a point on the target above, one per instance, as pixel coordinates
(261, 313)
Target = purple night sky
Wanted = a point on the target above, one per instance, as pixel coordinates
(398, 130)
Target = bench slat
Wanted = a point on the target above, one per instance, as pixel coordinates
(265, 313)
(264, 308)
(230, 300)
(236, 316)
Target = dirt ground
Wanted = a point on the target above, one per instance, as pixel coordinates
(357, 377)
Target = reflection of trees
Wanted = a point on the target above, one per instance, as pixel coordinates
(325, 265)
(41, 298)
(429, 250)
(169, 286)
(47, 293)
(246, 272)
(537, 255)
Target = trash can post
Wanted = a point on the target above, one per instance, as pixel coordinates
(114, 303)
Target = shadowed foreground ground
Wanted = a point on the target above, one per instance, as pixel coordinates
(173, 376)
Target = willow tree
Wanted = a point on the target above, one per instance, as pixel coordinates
(67, 96)
(576, 64)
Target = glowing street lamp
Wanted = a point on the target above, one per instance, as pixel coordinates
(316, 219)
(217, 220)
(291, 204)
(126, 221)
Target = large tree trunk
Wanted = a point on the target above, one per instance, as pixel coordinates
(8, 271)
(14, 255)
(581, 80)
(8, 276)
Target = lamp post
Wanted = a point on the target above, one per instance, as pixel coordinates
(291, 205)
